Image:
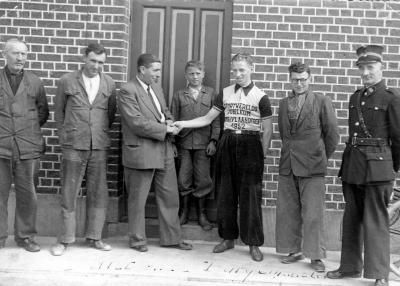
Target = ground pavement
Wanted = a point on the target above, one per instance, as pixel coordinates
(83, 266)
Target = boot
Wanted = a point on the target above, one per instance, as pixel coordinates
(183, 218)
(201, 215)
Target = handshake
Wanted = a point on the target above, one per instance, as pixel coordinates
(174, 127)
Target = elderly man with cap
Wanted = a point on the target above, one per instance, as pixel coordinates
(371, 157)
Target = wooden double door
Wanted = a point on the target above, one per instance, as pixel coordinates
(178, 31)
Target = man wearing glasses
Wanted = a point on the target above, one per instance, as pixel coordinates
(309, 134)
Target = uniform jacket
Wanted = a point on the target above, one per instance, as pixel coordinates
(143, 132)
(381, 113)
(185, 107)
(21, 116)
(306, 151)
(81, 125)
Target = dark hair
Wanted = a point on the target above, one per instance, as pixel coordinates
(299, 67)
(95, 48)
(195, 64)
(243, 57)
(146, 60)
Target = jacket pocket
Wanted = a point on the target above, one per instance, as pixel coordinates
(379, 167)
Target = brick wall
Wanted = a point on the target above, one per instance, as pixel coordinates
(56, 31)
(323, 34)
(320, 32)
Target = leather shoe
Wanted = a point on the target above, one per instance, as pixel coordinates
(204, 223)
(337, 274)
(98, 244)
(140, 248)
(318, 265)
(182, 246)
(58, 249)
(255, 253)
(381, 282)
(291, 258)
(28, 244)
(223, 246)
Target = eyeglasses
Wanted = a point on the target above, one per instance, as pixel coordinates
(299, 80)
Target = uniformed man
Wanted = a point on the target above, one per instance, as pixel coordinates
(372, 154)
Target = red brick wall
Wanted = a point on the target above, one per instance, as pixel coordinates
(323, 34)
(56, 31)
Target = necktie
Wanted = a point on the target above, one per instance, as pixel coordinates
(152, 101)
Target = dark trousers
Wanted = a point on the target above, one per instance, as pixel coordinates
(300, 212)
(75, 163)
(366, 206)
(238, 179)
(194, 173)
(25, 174)
(138, 183)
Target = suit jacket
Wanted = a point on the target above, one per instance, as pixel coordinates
(21, 116)
(185, 107)
(143, 132)
(306, 151)
(81, 125)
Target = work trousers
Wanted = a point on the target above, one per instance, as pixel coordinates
(138, 183)
(194, 173)
(75, 163)
(238, 179)
(300, 216)
(366, 206)
(24, 173)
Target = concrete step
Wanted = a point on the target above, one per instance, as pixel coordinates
(84, 266)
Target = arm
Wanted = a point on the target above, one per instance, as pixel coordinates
(199, 121)
(42, 105)
(215, 125)
(329, 127)
(134, 119)
(267, 133)
(394, 129)
(59, 104)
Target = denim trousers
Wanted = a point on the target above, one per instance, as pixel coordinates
(75, 164)
(24, 173)
(238, 181)
(194, 173)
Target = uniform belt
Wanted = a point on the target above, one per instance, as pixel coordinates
(368, 141)
(242, 132)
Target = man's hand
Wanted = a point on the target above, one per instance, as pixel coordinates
(169, 122)
(211, 148)
(172, 130)
(179, 125)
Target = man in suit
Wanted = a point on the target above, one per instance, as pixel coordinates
(85, 107)
(371, 157)
(23, 109)
(309, 133)
(148, 155)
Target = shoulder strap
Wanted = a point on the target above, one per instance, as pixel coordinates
(360, 116)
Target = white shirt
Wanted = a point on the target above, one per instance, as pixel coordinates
(155, 99)
(92, 85)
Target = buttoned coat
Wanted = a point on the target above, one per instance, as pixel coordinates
(307, 150)
(83, 125)
(143, 132)
(21, 116)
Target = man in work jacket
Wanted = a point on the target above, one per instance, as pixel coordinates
(85, 107)
(371, 157)
(23, 109)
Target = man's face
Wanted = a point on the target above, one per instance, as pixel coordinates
(300, 82)
(241, 72)
(15, 54)
(151, 74)
(194, 76)
(93, 64)
(371, 73)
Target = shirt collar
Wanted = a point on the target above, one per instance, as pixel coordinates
(143, 84)
(246, 89)
(9, 73)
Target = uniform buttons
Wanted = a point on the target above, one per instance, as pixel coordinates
(376, 108)
(355, 134)
(357, 123)
(366, 93)
(362, 103)
(380, 158)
